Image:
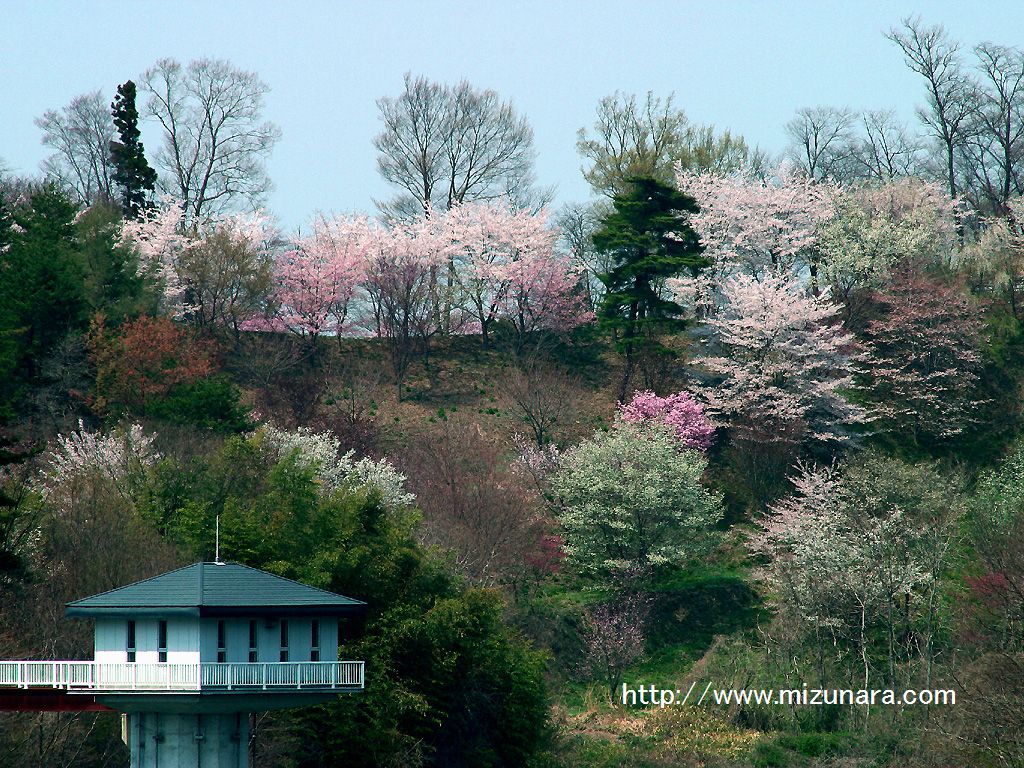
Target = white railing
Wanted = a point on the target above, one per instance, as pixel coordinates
(97, 676)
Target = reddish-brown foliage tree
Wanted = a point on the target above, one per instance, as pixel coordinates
(926, 349)
(473, 503)
(143, 359)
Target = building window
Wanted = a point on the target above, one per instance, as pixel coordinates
(252, 642)
(284, 639)
(130, 642)
(161, 642)
(314, 641)
(222, 642)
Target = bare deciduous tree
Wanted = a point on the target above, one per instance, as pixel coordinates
(995, 141)
(80, 135)
(649, 139)
(577, 223)
(229, 277)
(445, 145)
(473, 503)
(215, 141)
(632, 139)
(885, 150)
(931, 53)
(820, 140)
(539, 396)
(614, 634)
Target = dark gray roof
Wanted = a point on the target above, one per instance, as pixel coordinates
(214, 589)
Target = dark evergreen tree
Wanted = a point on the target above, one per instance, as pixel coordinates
(15, 526)
(41, 290)
(10, 348)
(112, 283)
(649, 242)
(131, 171)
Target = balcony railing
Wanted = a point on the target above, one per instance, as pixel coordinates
(97, 676)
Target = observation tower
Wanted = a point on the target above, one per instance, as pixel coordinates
(188, 655)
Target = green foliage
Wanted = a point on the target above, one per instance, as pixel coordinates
(41, 291)
(1000, 415)
(653, 138)
(864, 551)
(695, 606)
(16, 522)
(10, 351)
(111, 282)
(452, 685)
(448, 682)
(998, 499)
(647, 242)
(210, 404)
(631, 500)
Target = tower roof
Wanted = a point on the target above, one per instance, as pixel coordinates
(215, 589)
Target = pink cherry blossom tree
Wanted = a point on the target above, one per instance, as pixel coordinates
(400, 284)
(544, 294)
(755, 224)
(485, 237)
(317, 279)
(158, 240)
(783, 359)
(215, 274)
(505, 267)
(680, 412)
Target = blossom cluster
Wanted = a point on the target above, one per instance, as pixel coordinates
(680, 412)
(113, 455)
(321, 451)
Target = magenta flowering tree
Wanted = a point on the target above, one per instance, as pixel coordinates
(680, 412)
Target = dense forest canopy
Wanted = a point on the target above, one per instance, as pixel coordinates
(742, 420)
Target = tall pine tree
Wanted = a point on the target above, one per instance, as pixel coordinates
(648, 242)
(131, 171)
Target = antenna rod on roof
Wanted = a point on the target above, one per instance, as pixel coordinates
(216, 556)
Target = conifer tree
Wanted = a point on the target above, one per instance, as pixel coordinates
(648, 242)
(131, 171)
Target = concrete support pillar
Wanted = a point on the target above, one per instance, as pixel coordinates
(176, 740)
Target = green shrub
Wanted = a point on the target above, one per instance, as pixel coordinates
(211, 404)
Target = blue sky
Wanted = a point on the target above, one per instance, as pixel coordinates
(747, 66)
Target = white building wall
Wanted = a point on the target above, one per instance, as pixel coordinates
(182, 640)
(145, 641)
(190, 640)
(109, 641)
